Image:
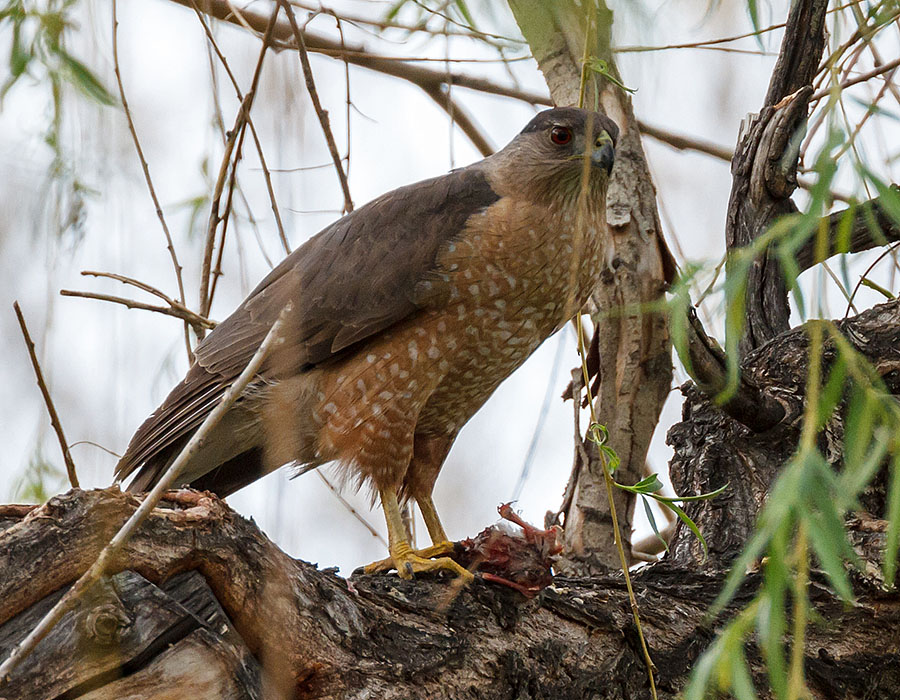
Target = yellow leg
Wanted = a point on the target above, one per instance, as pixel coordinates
(440, 544)
(403, 558)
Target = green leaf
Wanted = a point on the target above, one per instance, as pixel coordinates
(19, 58)
(612, 458)
(601, 67)
(464, 11)
(81, 77)
(688, 499)
(892, 539)
(866, 282)
(856, 475)
(825, 525)
(685, 518)
(648, 485)
(597, 433)
(845, 229)
(771, 623)
(832, 392)
(741, 681)
(652, 520)
(394, 10)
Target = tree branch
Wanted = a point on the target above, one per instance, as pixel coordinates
(871, 227)
(176, 310)
(146, 170)
(317, 635)
(45, 392)
(317, 105)
(764, 170)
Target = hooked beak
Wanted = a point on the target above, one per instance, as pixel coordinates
(604, 155)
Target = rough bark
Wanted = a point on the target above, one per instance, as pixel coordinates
(764, 169)
(633, 343)
(156, 632)
(712, 449)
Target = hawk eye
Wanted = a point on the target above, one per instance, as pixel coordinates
(560, 135)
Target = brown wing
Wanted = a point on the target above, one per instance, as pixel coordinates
(350, 281)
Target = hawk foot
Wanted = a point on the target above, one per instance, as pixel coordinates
(435, 550)
(408, 562)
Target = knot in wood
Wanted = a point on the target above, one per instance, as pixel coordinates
(104, 624)
(774, 173)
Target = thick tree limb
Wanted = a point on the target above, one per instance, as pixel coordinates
(103, 561)
(316, 635)
(764, 169)
(871, 227)
(712, 449)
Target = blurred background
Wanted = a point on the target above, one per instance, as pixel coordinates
(73, 198)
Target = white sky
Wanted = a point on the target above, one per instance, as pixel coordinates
(110, 367)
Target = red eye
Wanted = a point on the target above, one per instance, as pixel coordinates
(560, 135)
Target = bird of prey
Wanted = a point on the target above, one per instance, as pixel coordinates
(406, 315)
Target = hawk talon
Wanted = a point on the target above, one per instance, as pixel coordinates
(436, 550)
(407, 562)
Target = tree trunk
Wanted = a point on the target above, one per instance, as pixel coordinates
(632, 342)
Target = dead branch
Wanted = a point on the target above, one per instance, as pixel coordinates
(214, 216)
(686, 143)
(238, 154)
(259, 150)
(48, 402)
(322, 115)
(176, 310)
(856, 80)
(143, 286)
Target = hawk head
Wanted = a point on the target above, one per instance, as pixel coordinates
(559, 152)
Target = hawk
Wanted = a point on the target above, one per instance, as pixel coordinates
(406, 315)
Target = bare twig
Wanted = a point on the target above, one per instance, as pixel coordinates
(108, 451)
(441, 95)
(317, 105)
(214, 216)
(259, 150)
(109, 553)
(134, 283)
(355, 513)
(17, 510)
(54, 418)
(238, 154)
(349, 102)
(317, 43)
(383, 24)
(233, 144)
(176, 310)
(433, 82)
(685, 143)
(863, 77)
(146, 168)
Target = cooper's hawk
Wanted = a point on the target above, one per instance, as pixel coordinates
(406, 316)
